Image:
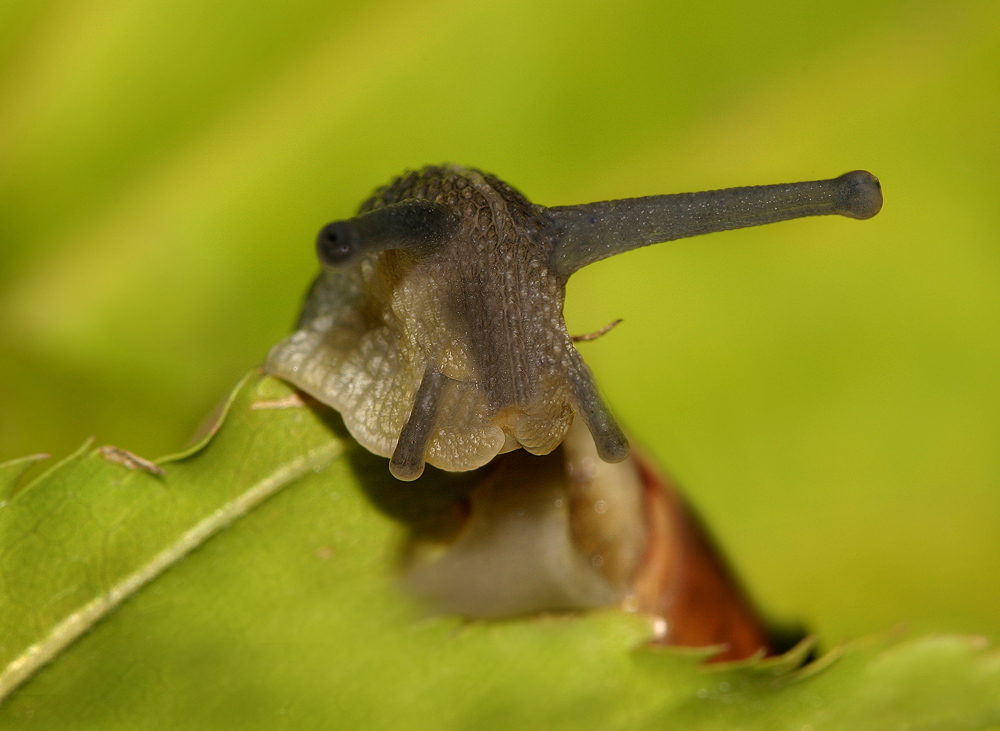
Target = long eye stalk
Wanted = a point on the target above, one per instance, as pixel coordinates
(595, 231)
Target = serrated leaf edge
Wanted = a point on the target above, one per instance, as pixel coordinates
(76, 624)
(223, 413)
(79, 454)
(15, 468)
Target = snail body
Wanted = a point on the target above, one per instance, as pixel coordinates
(436, 329)
(567, 531)
(436, 325)
(562, 531)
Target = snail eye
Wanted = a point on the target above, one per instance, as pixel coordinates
(337, 244)
(416, 225)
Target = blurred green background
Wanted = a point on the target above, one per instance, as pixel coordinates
(826, 390)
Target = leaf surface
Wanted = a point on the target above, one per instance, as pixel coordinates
(91, 531)
(13, 470)
(289, 618)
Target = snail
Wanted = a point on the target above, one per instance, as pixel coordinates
(436, 329)
(436, 324)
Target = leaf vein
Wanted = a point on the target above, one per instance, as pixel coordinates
(77, 623)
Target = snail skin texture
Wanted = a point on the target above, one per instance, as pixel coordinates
(436, 325)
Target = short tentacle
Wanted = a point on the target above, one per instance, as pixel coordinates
(407, 462)
(612, 445)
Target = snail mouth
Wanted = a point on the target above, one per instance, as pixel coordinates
(538, 432)
(508, 418)
(510, 443)
(508, 421)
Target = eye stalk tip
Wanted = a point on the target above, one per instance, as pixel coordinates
(859, 194)
(337, 244)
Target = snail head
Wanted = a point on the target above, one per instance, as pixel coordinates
(436, 324)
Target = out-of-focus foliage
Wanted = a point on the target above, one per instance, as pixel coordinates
(289, 619)
(826, 390)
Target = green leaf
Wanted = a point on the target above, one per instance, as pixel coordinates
(95, 528)
(290, 619)
(824, 390)
(13, 470)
